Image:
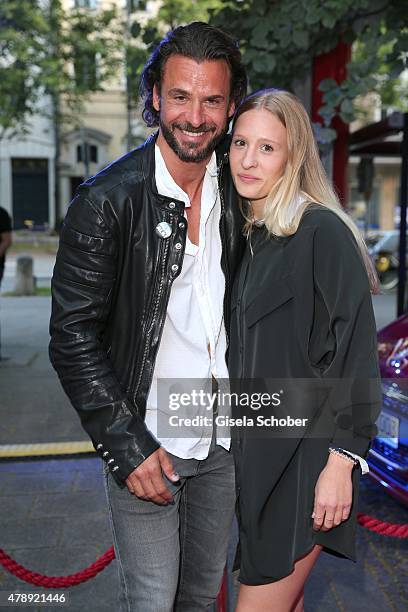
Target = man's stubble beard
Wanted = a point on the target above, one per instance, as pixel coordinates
(191, 154)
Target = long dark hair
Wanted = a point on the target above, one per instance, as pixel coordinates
(198, 41)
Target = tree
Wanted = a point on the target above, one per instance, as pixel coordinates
(81, 56)
(46, 50)
(58, 55)
(22, 28)
(279, 39)
(173, 13)
(143, 39)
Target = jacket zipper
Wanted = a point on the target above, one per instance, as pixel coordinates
(164, 247)
(220, 170)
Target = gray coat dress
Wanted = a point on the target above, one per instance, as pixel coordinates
(302, 326)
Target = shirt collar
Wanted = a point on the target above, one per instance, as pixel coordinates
(212, 165)
(166, 185)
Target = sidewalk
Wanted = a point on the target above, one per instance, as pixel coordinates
(43, 265)
(33, 405)
(54, 521)
(53, 512)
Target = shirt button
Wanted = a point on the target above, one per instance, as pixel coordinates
(172, 205)
(178, 246)
(99, 446)
(174, 267)
(182, 225)
(105, 454)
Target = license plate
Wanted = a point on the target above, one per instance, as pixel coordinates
(388, 429)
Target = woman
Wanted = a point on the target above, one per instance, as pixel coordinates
(301, 315)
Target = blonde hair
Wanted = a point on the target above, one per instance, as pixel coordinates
(304, 181)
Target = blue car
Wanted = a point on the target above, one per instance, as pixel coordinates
(388, 456)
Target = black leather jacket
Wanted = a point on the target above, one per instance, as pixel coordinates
(110, 290)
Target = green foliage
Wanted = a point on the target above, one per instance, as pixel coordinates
(178, 12)
(385, 70)
(41, 44)
(377, 64)
(46, 50)
(84, 49)
(280, 38)
(144, 39)
(22, 29)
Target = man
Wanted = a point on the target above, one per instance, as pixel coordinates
(141, 292)
(5, 243)
(5, 238)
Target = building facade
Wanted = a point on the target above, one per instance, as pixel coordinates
(27, 178)
(381, 210)
(100, 135)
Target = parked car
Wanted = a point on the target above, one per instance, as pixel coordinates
(388, 457)
(383, 249)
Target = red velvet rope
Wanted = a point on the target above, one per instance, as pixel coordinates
(382, 527)
(56, 582)
(63, 582)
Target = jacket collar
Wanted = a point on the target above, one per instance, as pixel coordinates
(148, 163)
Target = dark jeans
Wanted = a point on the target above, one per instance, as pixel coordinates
(171, 558)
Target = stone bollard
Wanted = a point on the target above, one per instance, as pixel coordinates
(24, 283)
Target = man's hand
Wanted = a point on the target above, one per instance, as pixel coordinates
(146, 481)
(333, 494)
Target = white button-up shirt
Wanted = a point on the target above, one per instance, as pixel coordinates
(193, 342)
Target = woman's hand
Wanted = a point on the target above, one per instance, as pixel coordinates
(333, 494)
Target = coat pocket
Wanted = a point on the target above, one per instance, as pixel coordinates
(265, 302)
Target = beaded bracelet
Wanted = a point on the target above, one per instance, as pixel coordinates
(344, 454)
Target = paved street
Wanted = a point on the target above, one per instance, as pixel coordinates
(54, 521)
(53, 512)
(33, 405)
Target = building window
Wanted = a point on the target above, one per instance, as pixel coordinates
(85, 70)
(136, 5)
(91, 153)
(91, 4)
